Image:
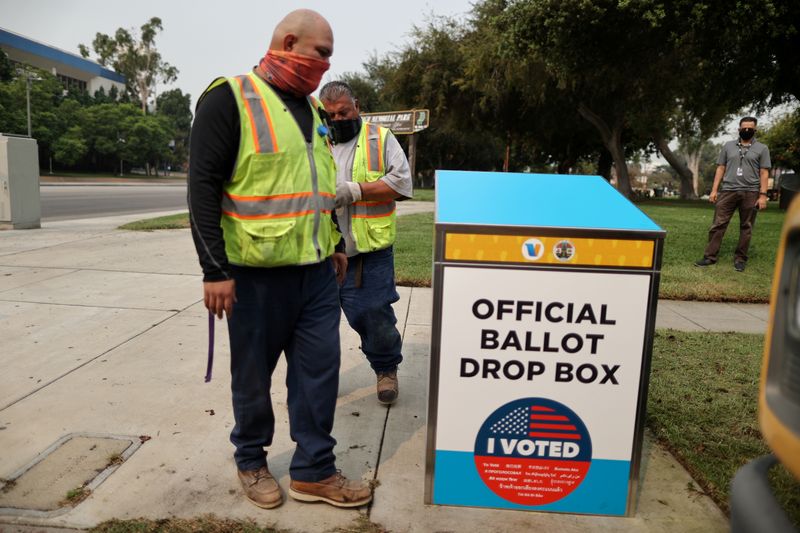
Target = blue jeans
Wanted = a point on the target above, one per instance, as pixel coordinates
(368, 308)
(294, 310)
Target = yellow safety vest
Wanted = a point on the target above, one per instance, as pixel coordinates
(276, 209)
(373, 223)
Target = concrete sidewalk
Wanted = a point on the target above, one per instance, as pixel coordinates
(104, 333)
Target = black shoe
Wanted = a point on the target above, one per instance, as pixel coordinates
(704, 262)
(738, 266)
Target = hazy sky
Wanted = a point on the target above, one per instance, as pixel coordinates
(208, 39)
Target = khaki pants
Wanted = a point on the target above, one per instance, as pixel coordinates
(727, 203)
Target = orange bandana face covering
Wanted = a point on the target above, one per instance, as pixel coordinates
(293, 73)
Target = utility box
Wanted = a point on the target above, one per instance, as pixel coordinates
(20, 204)
(545, 290)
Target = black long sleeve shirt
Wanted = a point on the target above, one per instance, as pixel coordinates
(214, 147)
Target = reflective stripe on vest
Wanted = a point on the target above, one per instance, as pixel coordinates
(374, 148)
(260, 122)
(276, 206)
(370, 209)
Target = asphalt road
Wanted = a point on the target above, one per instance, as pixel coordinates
(63, 202)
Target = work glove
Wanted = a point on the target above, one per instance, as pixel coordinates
(347, 193)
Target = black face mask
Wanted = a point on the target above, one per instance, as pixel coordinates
(344, 130)
(747, 133)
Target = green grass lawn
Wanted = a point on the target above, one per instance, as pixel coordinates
(424, 195)
(687, 226)
(413, 250)
(687, 223)
(703, 404)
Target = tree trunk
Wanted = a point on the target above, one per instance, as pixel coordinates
(144, 93)
(693, 162)
(567, 162)
(507, 159)
(680, 167)
(612, 139)
(604, 165)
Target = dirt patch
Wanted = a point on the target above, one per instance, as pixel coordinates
(60, 478)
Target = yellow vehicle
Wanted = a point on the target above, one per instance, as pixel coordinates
(753, 506)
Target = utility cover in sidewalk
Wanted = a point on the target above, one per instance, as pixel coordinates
(64, 474)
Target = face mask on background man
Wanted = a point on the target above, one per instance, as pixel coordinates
(746, 133)
(344, 130)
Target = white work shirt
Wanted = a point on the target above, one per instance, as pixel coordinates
(398, 177)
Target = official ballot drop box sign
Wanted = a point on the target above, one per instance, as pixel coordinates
(545, 291)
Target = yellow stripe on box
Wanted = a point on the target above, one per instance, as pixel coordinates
(542, 250)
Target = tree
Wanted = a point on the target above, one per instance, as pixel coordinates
(519, 101)
(105, 126)
(609, 58)
(147, 140)
(783, 140)
(750, 59)
(101, 97)
(45, 95)
(428, 74)
(753, 53)
(135, 58)
(365, 88)
(176, 108)
(6, 68)
(70, 147)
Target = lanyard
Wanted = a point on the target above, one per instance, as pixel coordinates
(210, 346)
(742, 154)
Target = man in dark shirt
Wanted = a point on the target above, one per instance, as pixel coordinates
(261, 192)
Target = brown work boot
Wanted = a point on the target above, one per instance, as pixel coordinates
(336, 490)
(261, 488)
(388, 387)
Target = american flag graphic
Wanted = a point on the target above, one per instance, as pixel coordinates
(536, 421)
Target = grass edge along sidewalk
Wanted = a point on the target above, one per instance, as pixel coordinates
(213, 524)
(703, 407)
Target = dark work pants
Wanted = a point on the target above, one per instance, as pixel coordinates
(727, 203)
(294, 310)
(368, 308)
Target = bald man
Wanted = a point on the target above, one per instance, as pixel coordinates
(261, 195)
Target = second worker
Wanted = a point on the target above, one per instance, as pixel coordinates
(372, 172)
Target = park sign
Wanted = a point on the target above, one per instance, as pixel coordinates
(542, 333)
(400, 122)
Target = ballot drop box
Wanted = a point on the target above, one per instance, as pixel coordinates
(545, 290)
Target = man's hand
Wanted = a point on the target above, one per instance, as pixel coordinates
(219, 296)
(347, 193)
(762, 202)
(712, 197)
(340, 266)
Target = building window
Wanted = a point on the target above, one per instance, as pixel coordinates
(71, 84)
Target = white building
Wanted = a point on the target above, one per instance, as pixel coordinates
(74, 71)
